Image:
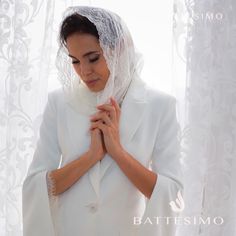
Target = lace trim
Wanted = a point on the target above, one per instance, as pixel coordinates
(51, 185)
(53, 200)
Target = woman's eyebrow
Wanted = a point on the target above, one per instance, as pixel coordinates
(86, 54)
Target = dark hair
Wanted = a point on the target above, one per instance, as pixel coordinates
(76, 23)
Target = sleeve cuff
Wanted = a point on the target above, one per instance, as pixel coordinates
(36, 207)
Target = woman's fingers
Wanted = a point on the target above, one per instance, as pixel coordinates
(110, 109)
(102, 116)
(116, 105)
(109, 113)
(100, 125)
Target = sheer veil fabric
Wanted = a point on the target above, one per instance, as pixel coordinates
(122, 58)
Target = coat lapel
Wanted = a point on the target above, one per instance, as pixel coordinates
(132, 111)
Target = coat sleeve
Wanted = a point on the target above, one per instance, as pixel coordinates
(36, 208)
(168, 188)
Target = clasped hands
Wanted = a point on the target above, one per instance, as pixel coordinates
(104, 130)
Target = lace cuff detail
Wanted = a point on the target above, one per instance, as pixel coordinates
(51, 185)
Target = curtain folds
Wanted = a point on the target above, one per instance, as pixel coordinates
(25, 56)
(207, 113)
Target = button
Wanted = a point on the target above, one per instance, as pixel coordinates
(93, 207)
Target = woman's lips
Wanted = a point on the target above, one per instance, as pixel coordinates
(91, 82)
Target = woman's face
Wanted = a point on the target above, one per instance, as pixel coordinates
(88, 60)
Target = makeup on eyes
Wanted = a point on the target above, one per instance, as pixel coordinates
(94, 58)
(91, 59)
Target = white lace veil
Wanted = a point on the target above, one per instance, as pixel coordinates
(123, 61)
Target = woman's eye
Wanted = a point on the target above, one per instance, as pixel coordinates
(90, 60)
(94, 59)
(75, 62)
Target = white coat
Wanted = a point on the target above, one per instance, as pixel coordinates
(104, 202)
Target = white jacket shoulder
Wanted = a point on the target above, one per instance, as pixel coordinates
(56, 98)
(159, 99)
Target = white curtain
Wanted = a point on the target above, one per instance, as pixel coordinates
(26, 29)
(204, 83)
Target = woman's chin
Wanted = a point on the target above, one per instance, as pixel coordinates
(95, 89)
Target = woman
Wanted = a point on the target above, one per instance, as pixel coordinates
(107, 160)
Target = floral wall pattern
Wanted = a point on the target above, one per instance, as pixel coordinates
(24, 60)
(209, 121)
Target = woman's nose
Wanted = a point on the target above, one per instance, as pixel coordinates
(85, 69)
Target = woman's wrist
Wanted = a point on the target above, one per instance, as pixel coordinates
(118, 153)
(95, 155)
